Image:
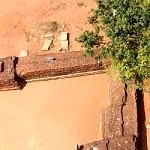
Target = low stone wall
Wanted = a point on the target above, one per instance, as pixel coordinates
(7, 74)
(19, 70)
(119, 121)
(35, 67)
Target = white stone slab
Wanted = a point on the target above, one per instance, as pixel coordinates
(24, 53)
(95, 148)
(64, 45)
(63, 36)
(46, 45)
(148, 126)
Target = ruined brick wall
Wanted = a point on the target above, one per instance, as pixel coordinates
(7, 74)
(119, 120)
(35, 67)
(18, 70)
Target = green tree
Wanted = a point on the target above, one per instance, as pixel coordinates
(127, 24)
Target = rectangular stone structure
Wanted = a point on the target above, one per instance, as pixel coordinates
(112, 122)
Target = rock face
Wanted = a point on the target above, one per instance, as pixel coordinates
(119, 120)
(48, 40)
(63, 36)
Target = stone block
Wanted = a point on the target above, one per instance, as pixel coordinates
(63, 36)
(24, 53)
(1, 66)
(64, 45)
(46, 45)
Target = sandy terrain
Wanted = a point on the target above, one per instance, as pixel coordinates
(53, 114)
(23, 23)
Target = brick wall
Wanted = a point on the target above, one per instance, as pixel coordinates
(34, 67)
(7, 74)
(119, 121)
(18, 70)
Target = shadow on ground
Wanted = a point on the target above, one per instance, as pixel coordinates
(141, 118)
(21, 82)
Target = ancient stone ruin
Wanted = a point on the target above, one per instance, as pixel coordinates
(119, 119)
(18, 70)
(8, 78)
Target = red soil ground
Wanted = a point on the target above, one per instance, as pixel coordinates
(22, 23)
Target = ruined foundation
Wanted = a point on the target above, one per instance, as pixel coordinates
(119, 120)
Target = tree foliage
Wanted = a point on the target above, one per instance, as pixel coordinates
(127, 24)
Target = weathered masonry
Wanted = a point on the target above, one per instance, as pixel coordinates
(119, 119)
(15, 70)
(8, 79)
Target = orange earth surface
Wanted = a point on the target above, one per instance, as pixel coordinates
(23, 23)
(53, 115)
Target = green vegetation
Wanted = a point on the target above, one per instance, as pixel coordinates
(127, 24)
